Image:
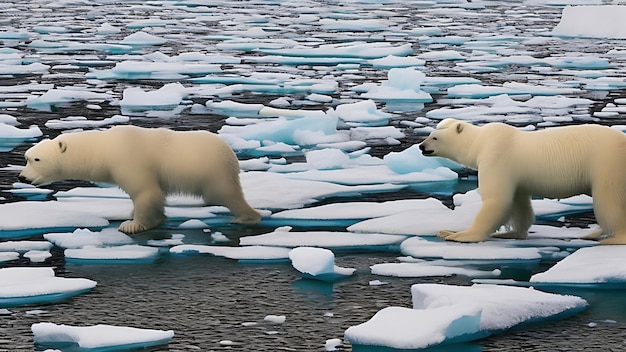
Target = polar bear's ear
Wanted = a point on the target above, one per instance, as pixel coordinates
(459, 128)
(62, 146)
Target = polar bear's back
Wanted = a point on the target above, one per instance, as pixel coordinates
(184, 161)
(559, 161)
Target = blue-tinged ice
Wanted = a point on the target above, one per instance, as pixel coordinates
(243, 253)
(125, 254)
(317, 263)
(284, 237)
(412, 160)
(25, 286)
(407, 329)
(11, 136)
(597, 267)
(98, 337)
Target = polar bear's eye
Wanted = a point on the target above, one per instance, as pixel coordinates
(37, 159)
(434, 138)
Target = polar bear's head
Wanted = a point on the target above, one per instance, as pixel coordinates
(44, 162)
(451, 139)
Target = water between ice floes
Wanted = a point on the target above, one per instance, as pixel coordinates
(215, 303)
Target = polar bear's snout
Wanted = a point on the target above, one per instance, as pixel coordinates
(425, 150)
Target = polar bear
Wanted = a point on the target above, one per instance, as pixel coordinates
(148, 164)
(514, 165)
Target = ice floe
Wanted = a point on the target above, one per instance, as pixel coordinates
(28, 286)
(98, 337)
(444, 314)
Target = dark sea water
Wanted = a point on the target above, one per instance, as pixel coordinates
(216, 304)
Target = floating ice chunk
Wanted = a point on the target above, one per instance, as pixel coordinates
(332, 344)
(25, 246)
(33, 68)
(426, 269)
(9, 256)
(175, 240)
(107, 28)
(600, 266)
(317, 263)
(37, 256)
(8, 131)
(232, 108)
(510, 88)
(84, 237)
(25, 286)
(354, 49)
(248, 253)
(402, 84)
(275, 319)
(60, 96)
(118, 254)
(11, 136)
(362, 113)
(405, 328)
(261, 189)
(603, 21)
(412, 160)
(167, 97)
(396, 61)
(98, 337)
(289, 131)
(357, 210)
(142, 39)
(323, 239)
(502, 307)
(420, 248)
(75, 122)
(16, 219)
(193, 224)
(325, 159)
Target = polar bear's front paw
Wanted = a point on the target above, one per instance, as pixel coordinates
(130, 227)
(461, 236)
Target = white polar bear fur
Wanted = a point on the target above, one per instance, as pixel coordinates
(148, 164)
(514, 165)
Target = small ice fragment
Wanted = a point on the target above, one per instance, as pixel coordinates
(332, 344)
(317, 263)
(275, 319)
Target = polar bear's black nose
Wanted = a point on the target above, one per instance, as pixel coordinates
(422, 148)
(22, 179)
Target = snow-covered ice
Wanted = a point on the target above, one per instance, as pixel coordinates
(451, 314)
(98, 337)
(27, 286)
(600, 266)
(317, 263)
(324, 104)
